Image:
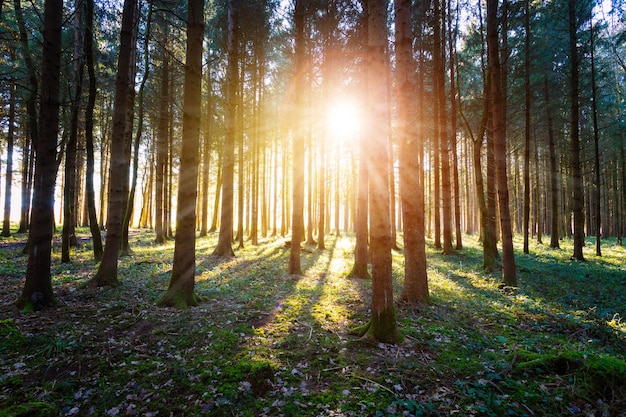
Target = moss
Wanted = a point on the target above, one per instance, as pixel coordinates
(35, 408)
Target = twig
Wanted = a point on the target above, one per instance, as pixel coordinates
(374, 382)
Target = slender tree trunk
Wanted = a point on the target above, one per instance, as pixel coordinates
(224, 245)
(415, 288)
(527, 112)
(125, 247)
(118, 183)
(206, 154)
(162, 137)
(509, 272)
(382, 326)
(452, 34)
(96, 237)
(577, 182)
(68, 237)
(37, 292)
(180, 292)
(297, 221)
(6, 222)
(596, 144)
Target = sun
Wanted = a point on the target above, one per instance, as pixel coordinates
(344, 119)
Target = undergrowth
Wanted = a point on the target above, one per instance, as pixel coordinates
(268, 343)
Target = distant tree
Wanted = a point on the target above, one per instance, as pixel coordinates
(6, 222)
(162, 138)
(120, 152)
(527, 127)
(181, 288)
(382, 326)
(37, 292)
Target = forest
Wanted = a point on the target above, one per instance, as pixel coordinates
(306, 207)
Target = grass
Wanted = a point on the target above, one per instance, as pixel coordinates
(267, 343)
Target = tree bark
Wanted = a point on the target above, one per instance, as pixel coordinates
(527, 112)
(180, 292)
(118, 183)
(509, 272)
(297, 222)
(224, 246)
(37, 292)
(577, 183)
(415, 289)
(382, 326)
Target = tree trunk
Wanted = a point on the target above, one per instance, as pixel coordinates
(452, 34)
(577, 183)
(68, 236)
(382, 326)
(527, 112)
(180, 292)
(118, 183)
(6, 222)
(509, 273)
(224, 246)
(297, 222)
(125, 248)
(596, 144)
(415, 288)
(162, 139)
(89, 116)
(37, 292)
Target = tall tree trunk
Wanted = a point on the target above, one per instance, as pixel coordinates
(509, 272)
(527, 112)
(37, 292)
(118, 183)
(162, 139)
(68, 236)
(577, 182)
(415, 288)
(596, 143)
(224, 246)
(439, 62)
(382, 326)
(297, 222)
(89, 116)
(452, 34)
(125, 247)
(6, 222)
(180, 292)
(359, 270)
(206, 151)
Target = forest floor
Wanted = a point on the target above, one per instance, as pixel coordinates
(265, 343)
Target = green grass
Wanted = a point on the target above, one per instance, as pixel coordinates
(267, 343)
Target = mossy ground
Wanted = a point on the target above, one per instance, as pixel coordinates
(263, 342)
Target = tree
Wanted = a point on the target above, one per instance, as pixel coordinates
(411, 191)
(527, 112)
(6, 222)
(509, 273)
(577, 183)
(120, 152)
(297, 222)
(224, 246)
(382, 326)
(89, 121)
(37, 292)
(180, 292)
(162, 139)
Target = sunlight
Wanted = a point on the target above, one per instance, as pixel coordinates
(343, 119)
